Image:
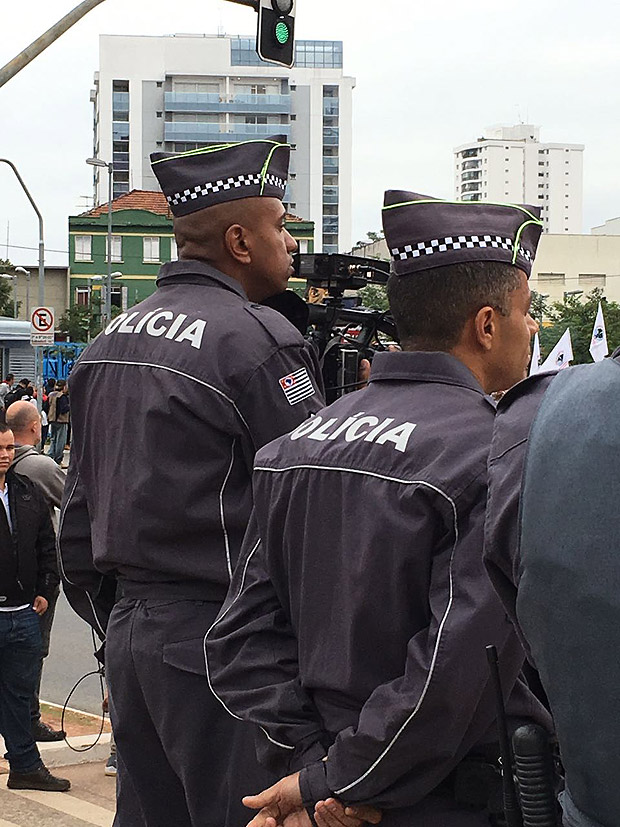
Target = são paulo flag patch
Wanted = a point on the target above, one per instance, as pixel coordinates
(297, 386)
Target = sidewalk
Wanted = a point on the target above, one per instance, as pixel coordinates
(91, 800)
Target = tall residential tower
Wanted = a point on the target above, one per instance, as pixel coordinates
(181, 92)
(509, 164)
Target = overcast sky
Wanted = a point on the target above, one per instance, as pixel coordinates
(429, 76)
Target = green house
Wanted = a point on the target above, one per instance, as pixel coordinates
(141, 241)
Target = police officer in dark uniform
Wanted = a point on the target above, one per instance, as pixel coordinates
(356, 639)
(169, 406)
(551, 550)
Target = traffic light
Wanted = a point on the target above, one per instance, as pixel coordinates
(275, 41)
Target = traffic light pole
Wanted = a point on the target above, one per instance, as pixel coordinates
(46, 39)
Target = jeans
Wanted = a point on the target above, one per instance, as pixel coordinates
(45, 621)
(20, 651)
(58, 440)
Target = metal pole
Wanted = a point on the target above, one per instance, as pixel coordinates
(108, 285)
(46, 39)
(39, 378)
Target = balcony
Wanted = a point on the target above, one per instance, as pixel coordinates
(120, 101)
(331, 136)
(206, 132)
(189, 102)
(330, 165)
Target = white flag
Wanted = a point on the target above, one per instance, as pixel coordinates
(598, 344)
(561, 354)
(535, 363)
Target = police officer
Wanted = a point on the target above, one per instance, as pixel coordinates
(169, 405)
(357, 641)
(555, 566)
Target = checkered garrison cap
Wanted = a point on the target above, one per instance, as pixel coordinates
(424, 232)
(204, 177)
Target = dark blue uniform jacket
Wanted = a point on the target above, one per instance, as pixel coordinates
(169, 406)
(356, 623)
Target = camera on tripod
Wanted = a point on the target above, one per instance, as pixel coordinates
(342, 330)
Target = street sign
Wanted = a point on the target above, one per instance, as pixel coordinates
(42, 326)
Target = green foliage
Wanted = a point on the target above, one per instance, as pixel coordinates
(579, 316)
(7, 306)
(374, 296)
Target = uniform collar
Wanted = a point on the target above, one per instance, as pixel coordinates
(423, 366)
(190, 271)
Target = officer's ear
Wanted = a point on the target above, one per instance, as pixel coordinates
(236, 243)
(485, 327)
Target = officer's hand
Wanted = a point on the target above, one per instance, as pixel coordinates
(333, 813)
(39, 604)
(278, 805)
(363, 373)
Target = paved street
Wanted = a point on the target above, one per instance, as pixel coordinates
(71, 656)
(90, 801)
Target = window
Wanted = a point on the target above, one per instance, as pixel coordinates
(117, 248)
(81, 296)
(173, 249)
(552, 278)
(83, 247)
(592, 279)
(150, 247)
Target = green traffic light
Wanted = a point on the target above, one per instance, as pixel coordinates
(282, 32)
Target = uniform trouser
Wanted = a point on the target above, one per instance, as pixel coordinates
(45, 621)
(437, 811)
(182, 759)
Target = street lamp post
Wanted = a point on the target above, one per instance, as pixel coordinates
(107, 308)
(38, 352)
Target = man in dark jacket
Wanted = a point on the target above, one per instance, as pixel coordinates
(28, 579)
(357, 641)
(58, 418)
(25, 422)
(159, 488)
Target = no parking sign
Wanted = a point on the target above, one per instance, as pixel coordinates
(42, 326)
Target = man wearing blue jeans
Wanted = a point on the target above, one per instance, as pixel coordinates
(28, 577)
(58, 418)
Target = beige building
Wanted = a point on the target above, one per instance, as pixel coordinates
(56, 290)
(564, 264)
(570, 263)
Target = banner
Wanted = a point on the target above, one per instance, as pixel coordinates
(598, 343)
(561, 354)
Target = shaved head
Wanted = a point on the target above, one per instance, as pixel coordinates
(20, 416)
(201, 235)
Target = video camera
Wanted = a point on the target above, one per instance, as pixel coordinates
(342, 330)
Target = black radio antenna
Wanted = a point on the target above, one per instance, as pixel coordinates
(512, 809)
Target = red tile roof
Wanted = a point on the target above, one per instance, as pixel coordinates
(154, 202)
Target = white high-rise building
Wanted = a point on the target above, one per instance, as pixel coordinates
(181, 92)
(510, 165)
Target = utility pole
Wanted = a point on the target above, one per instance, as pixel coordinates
(46, 39)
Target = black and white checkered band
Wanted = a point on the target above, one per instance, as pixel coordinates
(460, 242)
(224, 184)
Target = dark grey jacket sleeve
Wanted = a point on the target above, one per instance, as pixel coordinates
(515, 413)
(252, 665)
(90, 593)
(271, 412)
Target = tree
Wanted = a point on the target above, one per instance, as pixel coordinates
(579, 317)
(374, 296)
(7, 304)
